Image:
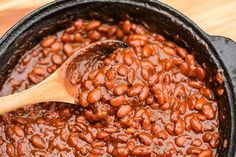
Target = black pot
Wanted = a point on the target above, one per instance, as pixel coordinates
(217, 52)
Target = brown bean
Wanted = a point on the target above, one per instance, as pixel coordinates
(174, 116)
(194, 150)
(214, 142)
(124, 110)
(179, 126)
(37, 141)
(207, 92)
(184, 68)
(122, 70)
(131, 76)
(219, 78)
(147, 64)
(102, 135)
(120, 152)
(180, 141)
(208, 111)
(120, 89)
(141, 150)
(18, 131)
(154, 79)
(195, 84)
(83, 99)
(73, 140)
(145, 73)
(196, 125)
(98, 144)
(94, 35)
(56, 47)
(68, 49)
(205, 153)
(182, 108)
(207, 137)
(57, 59)
(148, 50)
(196, 142)
(200, 102)
(78, 37)
(86, 137)
(117, 101)
(135, 90)
(97, 151)
(39, 71)
(169, 51)
(122, 138)
(126, 26)
(99, 79)
(201, 74)
(109, 84)
(181, 52)
(78, 24)
(10, 149)
(144, 93)
(92, 25)
(110, 74)
(93, 74)
(146, 124)
(94, 96)
(47, 41)
(128, 59)
(170, 128)
(162, 135)
(145, 138)
(159, 96)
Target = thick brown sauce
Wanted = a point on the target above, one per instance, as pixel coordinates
(178, 116)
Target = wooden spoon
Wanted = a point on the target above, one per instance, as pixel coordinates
(58, 87)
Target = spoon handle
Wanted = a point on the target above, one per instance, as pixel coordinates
(51, 89)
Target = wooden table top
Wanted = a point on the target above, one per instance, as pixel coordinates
(217, 17)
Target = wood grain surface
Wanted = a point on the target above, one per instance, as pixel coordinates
(216, 17)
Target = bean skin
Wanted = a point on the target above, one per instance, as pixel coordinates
(94, 96)
(128, 59)
(179, 126)
(144, 93)
(180, 141)
(145, 74)
(120, 89)
(102, 135)
(135, 90)
(145, 138)
(196, 125)
(122, 70)
(205, 153)
(120, 152)
(48, 41)
(92, 25)
(208, 111)
(141, 150)
(37, 141)
(124, 110)
(130, 76)
(117, 101)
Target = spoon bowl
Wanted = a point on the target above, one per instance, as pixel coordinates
(58, 86)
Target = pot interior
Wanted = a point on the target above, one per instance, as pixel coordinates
(156, 17)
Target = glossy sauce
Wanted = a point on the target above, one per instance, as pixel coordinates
(147, 100)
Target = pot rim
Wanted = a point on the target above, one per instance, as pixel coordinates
(183, 20)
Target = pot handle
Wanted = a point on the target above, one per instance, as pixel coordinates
(226, 49)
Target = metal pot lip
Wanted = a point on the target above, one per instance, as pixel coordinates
(54, 6)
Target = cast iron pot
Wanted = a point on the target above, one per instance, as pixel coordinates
(218, 53)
